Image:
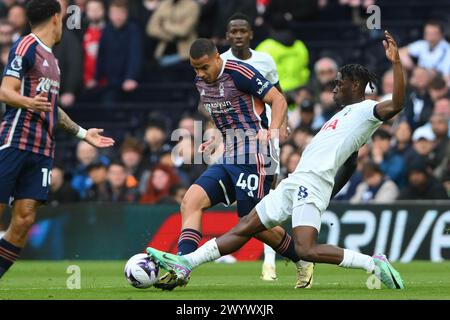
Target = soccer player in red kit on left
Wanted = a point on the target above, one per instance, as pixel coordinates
(30, 90)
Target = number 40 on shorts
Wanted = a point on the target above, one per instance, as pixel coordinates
(251, 183)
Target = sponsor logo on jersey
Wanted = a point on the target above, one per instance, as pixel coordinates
(46, 85)
(263, 86)
(218, 107)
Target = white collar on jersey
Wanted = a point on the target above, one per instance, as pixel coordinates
(223, 67)
(251, 51)
(41, 43)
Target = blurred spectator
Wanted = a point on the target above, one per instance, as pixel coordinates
(187, 122)
(184, 153)
(297, 98)
(292, 162)
(70, 60)
(391, 164)
(142, 11)
(173, 24)
(161, 180)
(442, 106)
(387, 85)
(116, 184)
(446, 178)
(97, 172)
(304, 117)
(440, 126)
(18, 19)
(5, 5)
(418, 104)
(402, 145)
(325, 71)
(422, 185)
(301, 137)
(285, 151)
(433, 52)
(60, 190)
(375, 188)
(115, 187)
(6, 41)
(86, 154)
(119, 59)
(95, 17)
(155, 142)
(175, 196)
(438, 88)
(291, 57)
(327, 105)
(131, 153)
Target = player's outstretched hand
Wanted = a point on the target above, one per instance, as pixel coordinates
(40, 103)
(94, 138)
(391, 48)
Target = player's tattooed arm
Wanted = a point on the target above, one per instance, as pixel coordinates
(92, 136)
(67, 124)
(344, 173)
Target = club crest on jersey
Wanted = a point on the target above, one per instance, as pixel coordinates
(16, 64)
(330, 125)
(221, 89)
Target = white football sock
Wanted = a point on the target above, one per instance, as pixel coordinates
(269, 255)
(206, 253)
(353, 259)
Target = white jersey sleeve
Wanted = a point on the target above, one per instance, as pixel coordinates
(272, 74)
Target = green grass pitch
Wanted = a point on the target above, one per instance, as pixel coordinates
(105, 280)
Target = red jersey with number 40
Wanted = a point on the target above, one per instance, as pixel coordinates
(34, 64)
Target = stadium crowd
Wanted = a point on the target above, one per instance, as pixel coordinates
(121, 44)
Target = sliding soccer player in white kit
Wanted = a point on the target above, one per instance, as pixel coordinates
(305, 194)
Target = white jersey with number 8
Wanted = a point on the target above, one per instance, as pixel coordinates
(313, 179)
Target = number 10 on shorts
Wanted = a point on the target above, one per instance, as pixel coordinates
(251, 183)
(46, 177)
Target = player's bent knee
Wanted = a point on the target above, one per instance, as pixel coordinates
(25, 221)
(24, 214)
(195, 200)
(189, 207)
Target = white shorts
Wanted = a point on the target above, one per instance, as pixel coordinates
(303, 200)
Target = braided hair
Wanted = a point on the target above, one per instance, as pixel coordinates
(357, 72)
